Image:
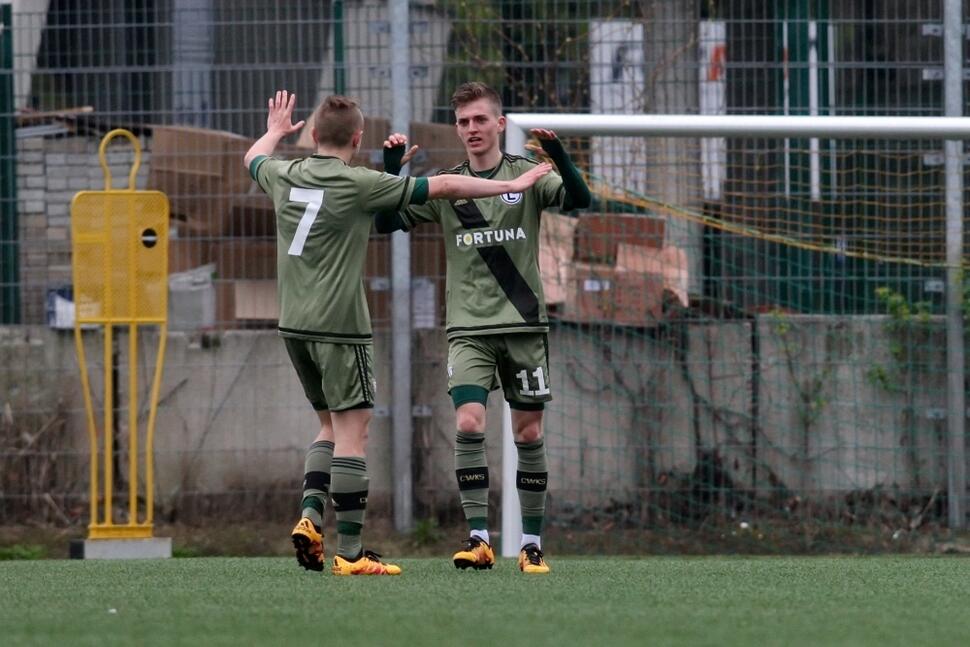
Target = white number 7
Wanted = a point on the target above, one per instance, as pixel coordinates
(314, 200)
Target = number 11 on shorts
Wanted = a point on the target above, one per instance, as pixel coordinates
(523, 376)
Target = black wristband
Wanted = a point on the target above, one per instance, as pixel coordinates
(392, 159)
(553, 148)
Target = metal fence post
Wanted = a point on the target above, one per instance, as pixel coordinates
(955, 360)
(9, 249)
(402, 422)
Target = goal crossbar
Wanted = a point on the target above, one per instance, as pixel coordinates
(825, 127)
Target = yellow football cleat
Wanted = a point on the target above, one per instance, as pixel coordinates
(308, 544)
(530, 560)
(367, 564)
(475, 553)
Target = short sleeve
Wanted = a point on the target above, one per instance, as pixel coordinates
(414, 215)
(550, 190)
(265, 171)
(388, 193)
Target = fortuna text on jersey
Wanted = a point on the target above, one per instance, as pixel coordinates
(487, 237)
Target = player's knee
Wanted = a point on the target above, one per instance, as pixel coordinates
(470, 423)
(531, 432)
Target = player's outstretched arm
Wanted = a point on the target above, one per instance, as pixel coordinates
(453, 187)
(577, 193)
(279, 124)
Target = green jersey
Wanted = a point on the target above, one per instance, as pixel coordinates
(492, 251)
(324, 212)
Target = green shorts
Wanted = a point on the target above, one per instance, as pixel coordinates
(518, 361)
(334, 376)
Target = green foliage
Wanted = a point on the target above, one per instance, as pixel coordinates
(426, 532)
(781, 325)
(880, 376)
(22, 551)
(187, 551)
(908, 327)
(534, 53)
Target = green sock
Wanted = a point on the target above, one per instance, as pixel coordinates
(316, 481)
(471, 470)
(348, 491)
(530, 479)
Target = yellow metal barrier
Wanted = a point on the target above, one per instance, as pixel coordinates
(120, 267)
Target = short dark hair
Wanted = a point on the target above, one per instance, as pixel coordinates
(337, 119)
(473, 91)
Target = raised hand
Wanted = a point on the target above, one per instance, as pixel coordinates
(529, 178)
(397, 139)
(280, 118)
(540, 134)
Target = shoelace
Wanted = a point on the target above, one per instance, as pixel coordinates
(376, 566)
(533, 554)
(471, 543)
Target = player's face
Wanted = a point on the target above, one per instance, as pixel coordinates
(479, 126)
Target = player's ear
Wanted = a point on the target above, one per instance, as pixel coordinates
(357, 139)
(313, 136)
(501, 123)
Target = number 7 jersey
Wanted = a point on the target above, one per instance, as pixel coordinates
(324, 212)
(492, 251)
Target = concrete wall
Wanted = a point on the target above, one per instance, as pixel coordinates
(632, 409)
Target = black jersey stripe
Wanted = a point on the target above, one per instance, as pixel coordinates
(500, 264)
(316, 333)
(455, 329)
(404, 194)
(470, 215)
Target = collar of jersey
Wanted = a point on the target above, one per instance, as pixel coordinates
(488, 173)
(326, 157)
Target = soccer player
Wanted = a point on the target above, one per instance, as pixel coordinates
(324, 211)
(496, 322)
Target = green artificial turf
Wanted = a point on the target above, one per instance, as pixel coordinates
(603, 602)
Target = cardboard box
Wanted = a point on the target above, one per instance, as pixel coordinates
(598, 293)
(251, 215)
(428, 254)
(590, 290)
(200, 171)
(244, 259)
(439, 149)
(377, 280)
(669, 262)
(556, 244)
(598, 235)
(427, 264)
(378, 260)
(245, 303)
(638, 298)
(256, 300)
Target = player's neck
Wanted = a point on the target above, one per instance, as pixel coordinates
(485, 161)
(346, 154)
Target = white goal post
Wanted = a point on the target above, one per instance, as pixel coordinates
(951, 129)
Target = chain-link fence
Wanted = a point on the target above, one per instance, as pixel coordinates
(744, 331)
